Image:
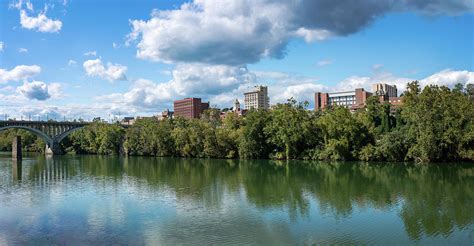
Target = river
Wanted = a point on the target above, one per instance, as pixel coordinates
(166, 201)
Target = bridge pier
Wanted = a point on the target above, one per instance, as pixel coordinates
(16, 148)
(53, 149)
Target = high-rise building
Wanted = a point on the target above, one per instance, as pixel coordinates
(189, 108)
(257, 99)
(350, 99)
(381, 89)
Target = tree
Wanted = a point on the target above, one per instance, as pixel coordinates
(343, 134)
(291, 128)
(252, 140)
(439, 123)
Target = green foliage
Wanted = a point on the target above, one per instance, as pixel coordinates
(343, 134)
(439, 123)
(149, 137)
(252, 140)
(291, 128)
(29, 141)
(98, 138)
(433, 124)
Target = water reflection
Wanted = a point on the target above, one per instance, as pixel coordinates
(432, 202)
(16, 170)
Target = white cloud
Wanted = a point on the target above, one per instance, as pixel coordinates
(16, 5)
(110, 72)
(238, 32)
(313, 35)
(91, 53)
(449, 77)
(72, 63)
(55, 90)
(219, 84)
(194, 80)
(114, 45)
(23, 50)
(29, 6)
(19, 73)
(322, 63)
(222, 84)
(40, 23)
(2, 46)
(37, 90)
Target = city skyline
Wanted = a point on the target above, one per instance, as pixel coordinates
(79, 59)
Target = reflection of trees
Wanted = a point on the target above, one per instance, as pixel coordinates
(434, 200)
(198, 179)
(438, 199)
(270, 184)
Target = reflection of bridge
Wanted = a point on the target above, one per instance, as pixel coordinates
(52, 132)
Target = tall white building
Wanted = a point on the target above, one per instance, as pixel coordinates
(257, 99)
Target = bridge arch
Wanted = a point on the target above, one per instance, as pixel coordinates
(63, 135)
(52, 142)
(42, 135)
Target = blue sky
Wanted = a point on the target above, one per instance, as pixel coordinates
(104, 58)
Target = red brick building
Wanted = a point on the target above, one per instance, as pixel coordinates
(349, 99)
(189, 108)
(357, 98)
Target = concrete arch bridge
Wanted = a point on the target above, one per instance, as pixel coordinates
(52, 132)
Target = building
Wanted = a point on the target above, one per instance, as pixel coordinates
(350, 99)
(189, 108)
(257, 99)
(167, 114)
(128, 121)
(236, 110)
(236, 107)
(381, 89)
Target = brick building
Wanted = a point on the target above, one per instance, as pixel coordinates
(189, 108)
(350, 99)
(356, 99)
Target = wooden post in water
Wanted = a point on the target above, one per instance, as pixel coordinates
(16, 170)
(16, 148)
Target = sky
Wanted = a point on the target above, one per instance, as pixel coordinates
(66, 59)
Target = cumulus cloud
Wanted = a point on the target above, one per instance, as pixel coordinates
(40, 23)
(23, 50)
(447, 77)
(110, 71)
(194, 80)
(2, 46)
(238, 32)
(220, 85)
(19, 73)
(37, 90)
(43, 113)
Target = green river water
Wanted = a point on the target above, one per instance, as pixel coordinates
(77, 200)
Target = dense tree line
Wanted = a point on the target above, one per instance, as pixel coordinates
(434, 124)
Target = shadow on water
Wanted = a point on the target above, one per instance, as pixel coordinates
(431, 200)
